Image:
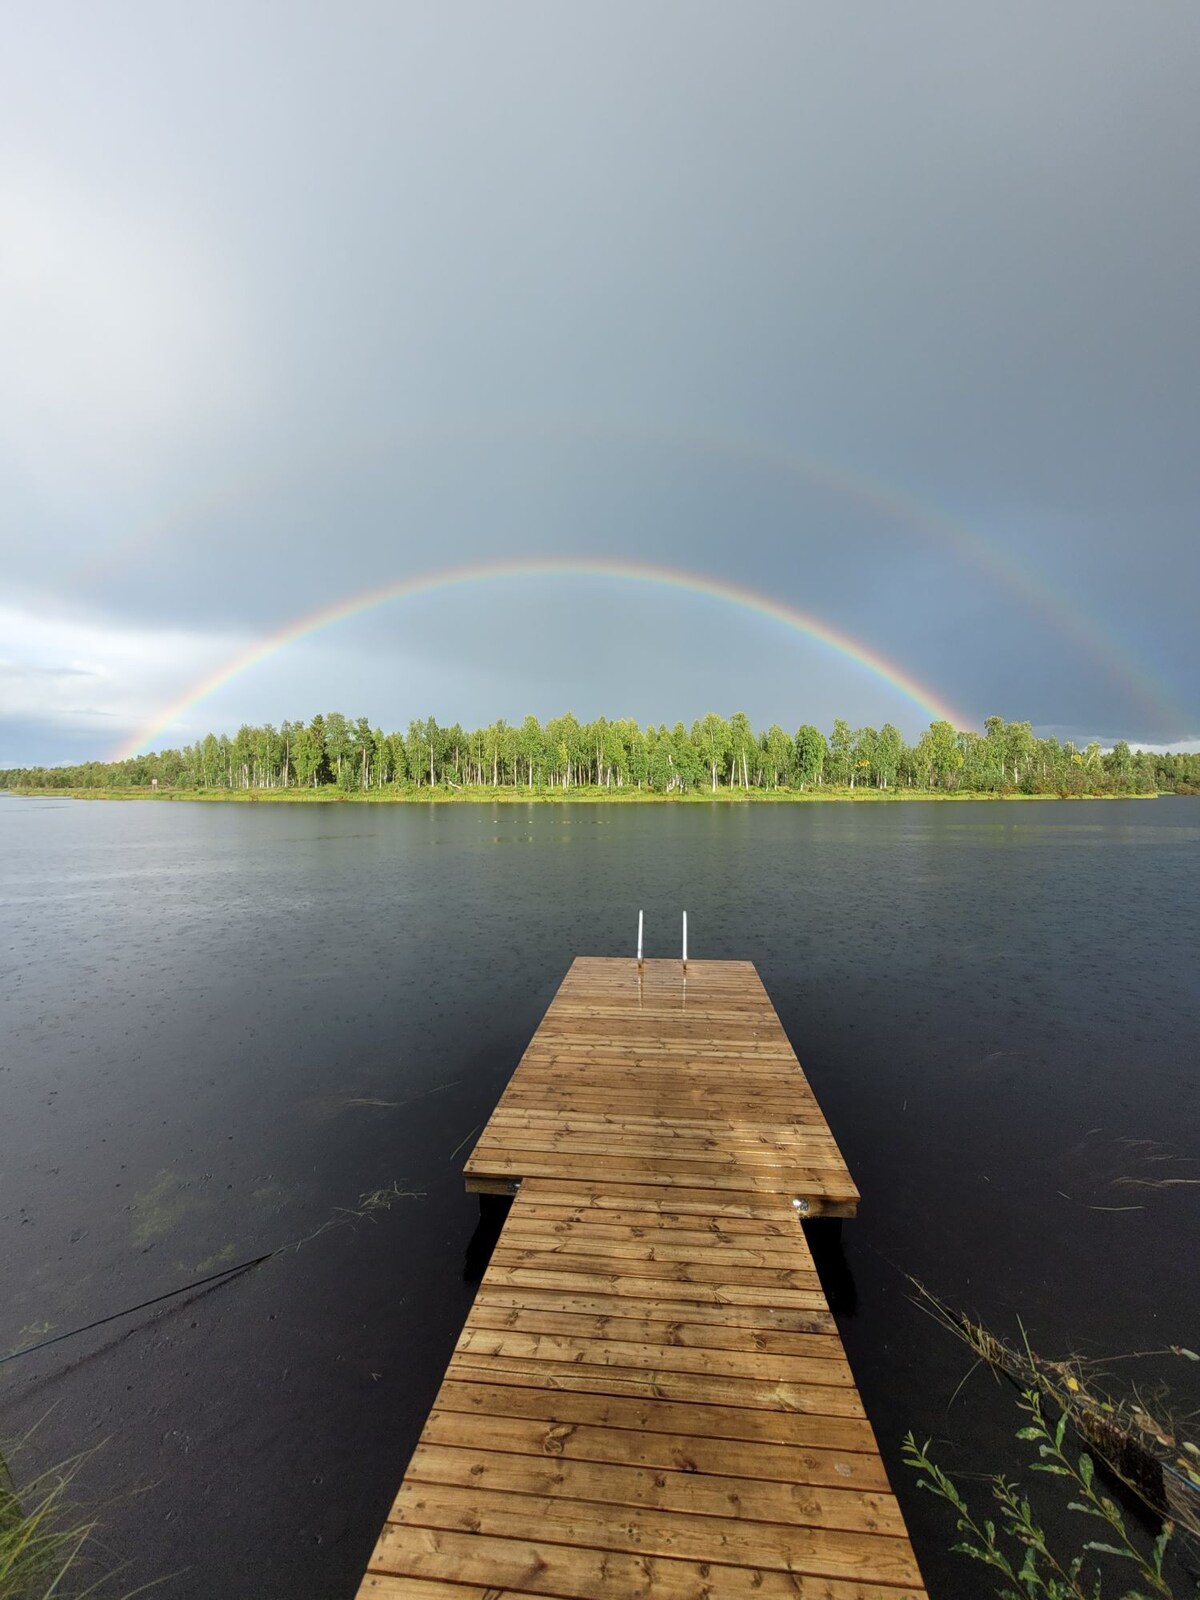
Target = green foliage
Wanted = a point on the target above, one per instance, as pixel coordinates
(809, 754)
(44, 1537)
(717, 754)
(1015, 1545)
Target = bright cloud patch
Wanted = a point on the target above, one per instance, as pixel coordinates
(70, 672)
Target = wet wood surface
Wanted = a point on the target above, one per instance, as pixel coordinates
(649, 1077)
(650, 1397)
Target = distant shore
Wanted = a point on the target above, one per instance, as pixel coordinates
(723, 759)
(476, 795)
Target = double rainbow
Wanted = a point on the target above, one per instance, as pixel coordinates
(1059, 613)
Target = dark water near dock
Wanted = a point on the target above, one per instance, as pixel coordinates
(222, 1023)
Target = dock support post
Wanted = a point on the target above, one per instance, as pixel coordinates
(685, 941)
(639, 938)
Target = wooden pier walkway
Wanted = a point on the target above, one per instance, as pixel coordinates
(650, 1397)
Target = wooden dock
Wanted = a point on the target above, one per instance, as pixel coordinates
(650, 1397)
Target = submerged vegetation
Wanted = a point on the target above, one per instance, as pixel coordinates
(1152, 1454)
(1149, 1454)
(716, 756)
(47, 1540)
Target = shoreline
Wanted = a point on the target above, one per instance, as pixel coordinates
(327, 795)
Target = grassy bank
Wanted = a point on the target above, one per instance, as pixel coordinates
(473, 794)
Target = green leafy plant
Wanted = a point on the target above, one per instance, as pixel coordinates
(1142, 1442)
(1016, 1546)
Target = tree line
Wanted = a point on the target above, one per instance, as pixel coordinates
(715, 754)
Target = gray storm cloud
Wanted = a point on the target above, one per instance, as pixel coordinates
(886, 312)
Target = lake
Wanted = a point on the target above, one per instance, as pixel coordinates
(225, 1024)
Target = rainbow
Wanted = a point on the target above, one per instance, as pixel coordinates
(564, 566)
(986, 555)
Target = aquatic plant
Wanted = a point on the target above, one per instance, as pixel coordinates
(1149, 1452)
(47, 1538)
(1150, 1456)
(1016, 1546)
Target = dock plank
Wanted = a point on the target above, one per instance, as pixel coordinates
(690, 1454)
(520, 1569)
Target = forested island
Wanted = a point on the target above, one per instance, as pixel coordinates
(334, 755)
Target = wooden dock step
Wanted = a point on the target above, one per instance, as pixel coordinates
(646, 1402)
(647, 1078)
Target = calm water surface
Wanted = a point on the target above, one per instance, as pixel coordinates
(221, 1024)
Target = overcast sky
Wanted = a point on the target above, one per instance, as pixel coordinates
(890, 313)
